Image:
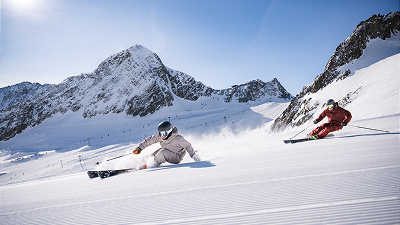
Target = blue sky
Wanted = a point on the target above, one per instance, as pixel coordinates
(219, 42)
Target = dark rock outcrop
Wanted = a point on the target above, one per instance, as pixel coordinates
(14, 94)
(377, 26)
(134, 81)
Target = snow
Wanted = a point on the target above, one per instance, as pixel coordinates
(247, 176)
(353, 178)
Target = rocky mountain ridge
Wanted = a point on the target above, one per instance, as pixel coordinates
(135, 82)
(301, 108)
(14, 94)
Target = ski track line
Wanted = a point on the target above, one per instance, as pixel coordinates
(377, 212)
(300, 164)
(291, 165)
(290, 198)
(328, 151)
(347, 144)
(273, 157)
(311, 216)
(325, 152)
(203, 188)
(286, 197)
(276, 210)
(323, 161)
(314, 162)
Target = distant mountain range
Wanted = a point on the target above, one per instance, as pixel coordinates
(20, 92)
(134, 81)
(137, 83)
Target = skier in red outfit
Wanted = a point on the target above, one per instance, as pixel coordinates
(337, 118)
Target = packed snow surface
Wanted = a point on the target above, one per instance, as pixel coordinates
(352, 177)
(247, 176)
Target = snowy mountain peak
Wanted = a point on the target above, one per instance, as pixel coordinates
(256, 89)
(133, 81)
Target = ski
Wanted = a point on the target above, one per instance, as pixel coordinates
(297, 140)
(292, 141)
(106, 173)
(92, 174)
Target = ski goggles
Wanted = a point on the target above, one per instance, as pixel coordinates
(164, 134)
(330, 106)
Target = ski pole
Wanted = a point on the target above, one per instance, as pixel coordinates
(368, 128)
(301, 131)
(114, 158)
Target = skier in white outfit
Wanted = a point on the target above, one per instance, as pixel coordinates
(173, 146)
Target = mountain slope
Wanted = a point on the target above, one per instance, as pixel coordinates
(373, 39)
(250, 178)
(134, 82)
(14, 94)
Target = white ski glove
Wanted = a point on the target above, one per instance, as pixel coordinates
(196, 158)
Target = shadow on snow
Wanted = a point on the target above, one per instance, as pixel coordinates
(201, 164)
(363, 135)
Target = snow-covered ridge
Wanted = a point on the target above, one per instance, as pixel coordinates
(373, 40)
(352, 48)
(14, 94)
(133, 81)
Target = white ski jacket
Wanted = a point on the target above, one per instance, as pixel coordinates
(175, 143)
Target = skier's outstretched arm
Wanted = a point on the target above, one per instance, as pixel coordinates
(320, 117)
(147, 142)
(188, 147)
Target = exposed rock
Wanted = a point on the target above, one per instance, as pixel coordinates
(377, 26)
(14, 94)
(134, 81)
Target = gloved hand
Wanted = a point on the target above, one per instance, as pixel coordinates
(315, 121)
(137, 151)
(196, 158)
(344, 124)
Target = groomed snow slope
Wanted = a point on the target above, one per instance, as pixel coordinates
(352, 178)
(247, 178)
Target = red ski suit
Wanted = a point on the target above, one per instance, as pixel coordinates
(335, 118)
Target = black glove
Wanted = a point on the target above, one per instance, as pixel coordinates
(315, 121)
(344, 124)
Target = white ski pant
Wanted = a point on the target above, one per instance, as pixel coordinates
(165, 155)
